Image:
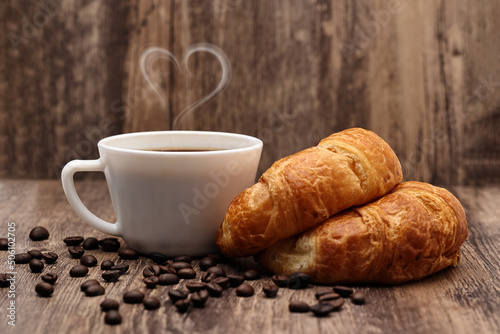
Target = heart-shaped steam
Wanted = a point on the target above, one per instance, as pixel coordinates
(155, 53)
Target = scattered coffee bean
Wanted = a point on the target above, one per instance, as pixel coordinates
(95, 290)
(168, 279)
(88, 260)
(158, 258)
(218, 258)
(280, 280)
(196, 286)
(78, 271)
(358, 298)
(322, 292)
(245, 290)
(73, 241)
(199, 298)
(322, 309)
(44, 289)
(270, 290)
(328, 297)
(337, 303)
(151, 282)
(343, 291)
(235, 280)
(109, 244)
(107, 265)
(36, 266)
(207, 262)
(35, 254)
(111, 275)
(4, 244)
(122, 267)
(214, 289)
(90, 243)
(298, 280)
(133, 297)
(298, 306)
(208, 277)
(50, 278)
(76, 252)
(183, 258)
(151, 303)
(176, 294)
(109, 304)
(222, 281)
(251, 274)
(217, 271)
(5, 280)
(182, 305)
(50, 257)
(88, 283)
(153, 270)
(181, 265)
(39, 233)
(128, 254)
(186, 273)
(167, 269)
(113, 317)
(22, 258)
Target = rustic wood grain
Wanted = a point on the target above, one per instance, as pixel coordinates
(463, 299)
(424, 75)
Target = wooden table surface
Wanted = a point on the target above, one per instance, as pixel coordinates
(464, 299)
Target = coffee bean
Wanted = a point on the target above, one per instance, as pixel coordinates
(208, 277)
(107, 265)
(73, 241)
(128, 254)
(151, 303)
(94, 290)
(298, 280)
(88, 283)
(109, 304)
(50, 278)
(151, 282)
(176, 294)
(270, 290)
(358, 298)
(111, 275)
(39, 233)
(22, 258)
(196, 286)
(44, 289)
(214, 289)
(245, 290)
(251, 275)
(218, 258)
(222, 281)
(35, 254)
(183, 258)
(186, 273)
(280, 280)
(337, 303)
(5, 280)
(88, 261)
(158, 258)
(217, 271)
(199, 298)
(113, 317)
(168, 279)
(167, 269)
(207, 262)
(109, 244)
(50, 257)
(122, 267)
(182, 305)
(322, 309)
(328, 297)
(133, 297)
(181, 265)
(343, 291)
(76, 252)
(322, 292)
(90, 243)
(78, 271)
(36, 266)
(235, 280)
(4, 244)
(298, 306)
(153, 270)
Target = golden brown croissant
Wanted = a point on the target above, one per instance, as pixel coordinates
(412, 232)
(352, 167)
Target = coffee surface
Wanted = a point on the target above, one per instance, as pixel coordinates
(174, 149)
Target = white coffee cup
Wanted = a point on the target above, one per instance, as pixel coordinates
(168, 202)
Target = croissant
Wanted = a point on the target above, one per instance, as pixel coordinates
(412, 232)
(352, 167)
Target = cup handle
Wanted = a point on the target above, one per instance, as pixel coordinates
(74, 200)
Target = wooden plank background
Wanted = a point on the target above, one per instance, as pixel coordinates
(424, 75)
